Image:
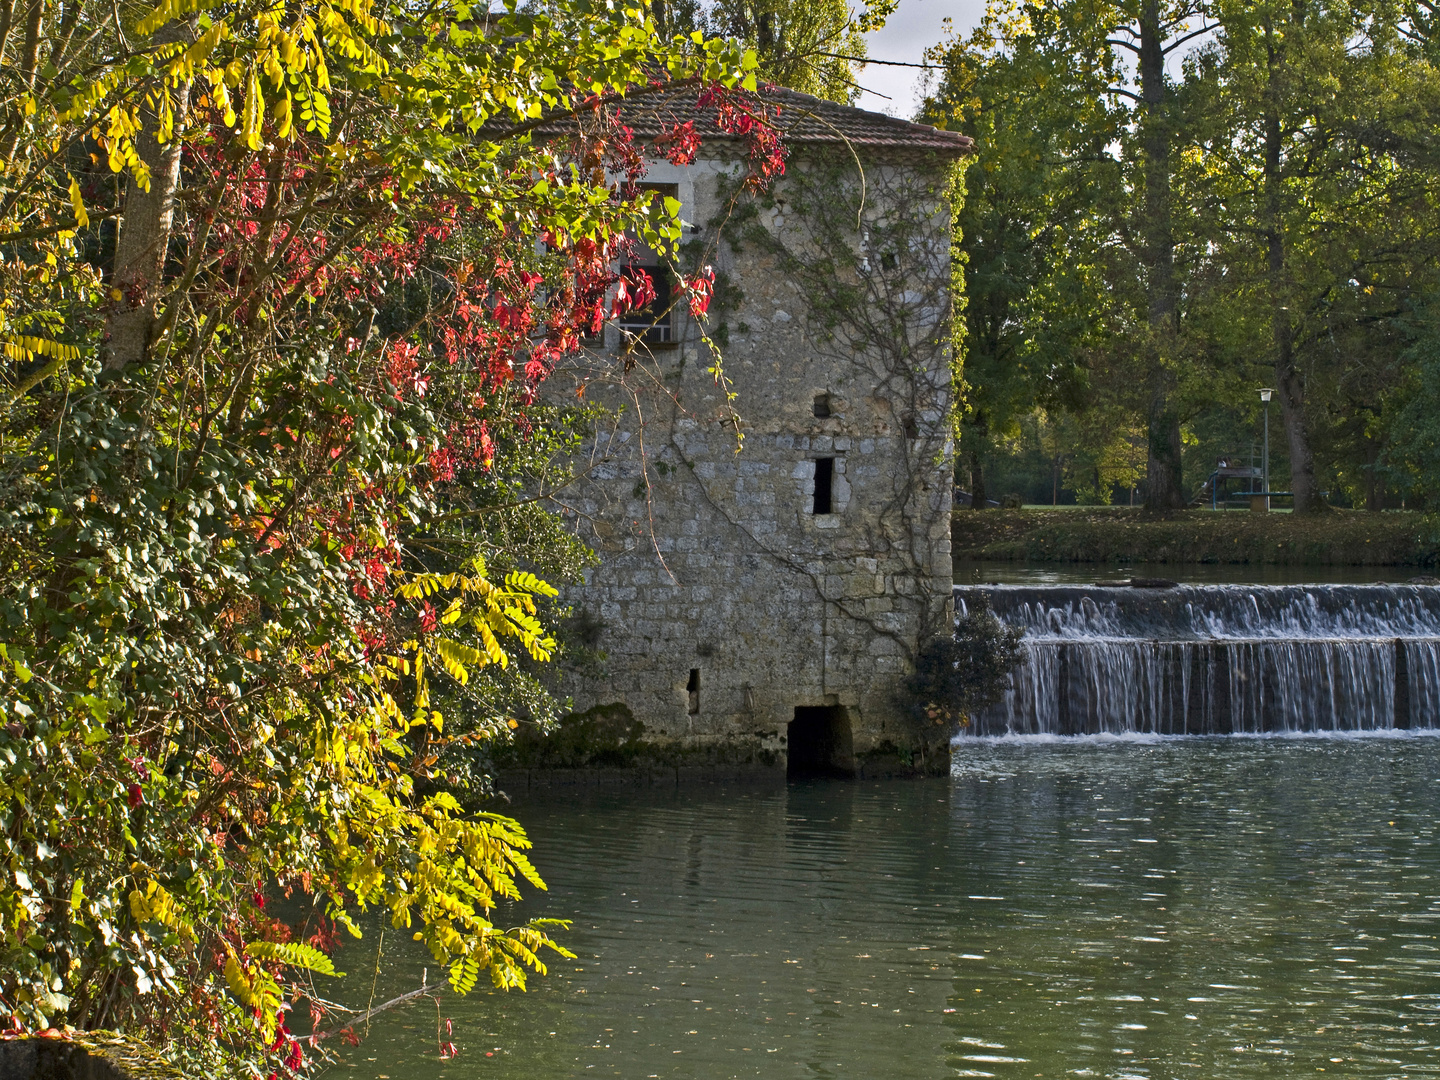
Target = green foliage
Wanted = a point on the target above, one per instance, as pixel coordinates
(969, 670)
(294, 954)
(1318, 202)
(1030, 236)
(807, 45)
(1302, 179)
(274, 529)
(959, 301)
(1414, 451)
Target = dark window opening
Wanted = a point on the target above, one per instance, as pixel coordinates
(693, 689)
(818, 743)
(652, 323)
(889, 261)
(661, 190)
(824, 484)
(912, 429)
(822, 405)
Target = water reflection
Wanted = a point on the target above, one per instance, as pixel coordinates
(1146, 908)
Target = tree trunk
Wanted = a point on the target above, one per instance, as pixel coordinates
(977, 482)
(25, 66)
(1288, 382)
(30, 50)
(1164, 492)
(7, 16)
(1374, 485)
(1292, 406)
(145, 232)
(1166, 489)
(977, 469)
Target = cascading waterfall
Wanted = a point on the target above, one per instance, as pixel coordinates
(1216, 659)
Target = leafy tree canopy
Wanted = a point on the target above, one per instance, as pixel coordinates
(1148, 243)
(278, 285)
(808, 45)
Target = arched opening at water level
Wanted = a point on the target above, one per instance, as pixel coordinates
(818, 743)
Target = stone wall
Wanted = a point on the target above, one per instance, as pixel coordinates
(90, 1055)
(724, 600)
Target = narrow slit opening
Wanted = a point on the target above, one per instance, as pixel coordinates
(693, 689)
(824, 484)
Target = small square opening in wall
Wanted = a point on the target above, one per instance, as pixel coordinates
(693, 689)
(822, 406)
(912, 429)
(824, 485)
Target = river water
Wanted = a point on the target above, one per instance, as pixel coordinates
(1086, 907)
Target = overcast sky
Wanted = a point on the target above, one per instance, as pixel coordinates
(913, 28)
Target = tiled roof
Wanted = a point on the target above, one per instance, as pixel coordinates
(802, 120)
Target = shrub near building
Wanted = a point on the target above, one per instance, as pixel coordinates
(261, 513)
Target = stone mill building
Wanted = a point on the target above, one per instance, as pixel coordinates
(773, 527)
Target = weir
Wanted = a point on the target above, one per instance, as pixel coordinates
(1216, 659)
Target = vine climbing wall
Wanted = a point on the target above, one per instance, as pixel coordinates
(772, 515)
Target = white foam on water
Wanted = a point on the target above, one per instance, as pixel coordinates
(960, 742)
(1310, 660)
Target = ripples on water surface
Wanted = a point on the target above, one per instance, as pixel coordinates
(1162, 908)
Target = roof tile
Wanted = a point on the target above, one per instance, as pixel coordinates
(801, 119)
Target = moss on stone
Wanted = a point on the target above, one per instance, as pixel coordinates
(610, 737)
(889, 759)
(89, 1055)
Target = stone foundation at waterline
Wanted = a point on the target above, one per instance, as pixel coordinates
(607, 745)
(93, 1055)
(788, 547)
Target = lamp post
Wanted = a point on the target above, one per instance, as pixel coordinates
(1265, 393)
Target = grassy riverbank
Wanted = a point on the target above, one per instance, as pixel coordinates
(1112, 534)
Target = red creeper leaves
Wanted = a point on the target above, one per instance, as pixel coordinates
(700, 290)
(634, 292)
(753, 120)
(679, 143)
